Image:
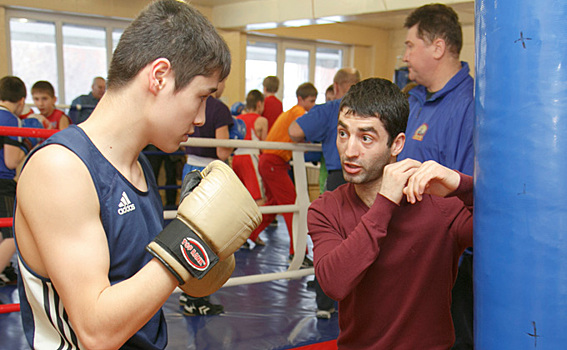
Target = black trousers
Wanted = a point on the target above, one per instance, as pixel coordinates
(170, 167)
(463, 304)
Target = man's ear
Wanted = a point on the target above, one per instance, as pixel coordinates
(439, 47)
(160, 71)
(336, 88)
(300, 101)
(398, 144)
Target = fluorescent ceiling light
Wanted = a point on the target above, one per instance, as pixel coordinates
(259, 26)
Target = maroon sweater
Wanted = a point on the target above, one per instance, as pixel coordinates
(391, 267)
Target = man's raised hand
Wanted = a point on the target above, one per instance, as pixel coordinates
(432, 178)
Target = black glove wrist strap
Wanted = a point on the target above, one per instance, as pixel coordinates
(188, 248)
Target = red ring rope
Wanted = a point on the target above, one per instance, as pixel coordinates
(5, 222)
(26, 132)
(7, 308)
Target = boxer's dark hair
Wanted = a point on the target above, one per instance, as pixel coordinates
(437, 21)
(376, 97)
(252, 99)
(173, 30)
(12, 89)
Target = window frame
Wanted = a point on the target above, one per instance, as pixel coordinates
(311, 45)
(59, 19)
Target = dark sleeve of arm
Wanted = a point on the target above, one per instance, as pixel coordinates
(73, 112)
(465, 190)
(462, 225)
(223, 116)
(341, 262)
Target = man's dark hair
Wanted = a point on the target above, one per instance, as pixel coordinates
(437, 21)
(376, 97)
(12, 89)
(271, 83)
(252, 99)
(306, 90)
(43, 86)
(173, 30)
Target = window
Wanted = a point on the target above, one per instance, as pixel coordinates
(328, 62)
(260, 62)
(294, 62)
(116, 34)
(66, 50)
(33, 52)
(296, 72)
(84, 51)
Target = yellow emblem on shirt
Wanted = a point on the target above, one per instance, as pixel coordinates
(420, 132)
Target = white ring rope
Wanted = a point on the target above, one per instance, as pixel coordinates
(299, 209)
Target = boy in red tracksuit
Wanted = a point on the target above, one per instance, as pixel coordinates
(274, 164)
(272, 105)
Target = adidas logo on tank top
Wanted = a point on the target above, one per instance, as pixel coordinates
(125, 205)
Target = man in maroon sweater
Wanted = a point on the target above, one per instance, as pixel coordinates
(387, 243)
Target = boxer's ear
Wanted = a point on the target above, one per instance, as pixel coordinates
(160, 70)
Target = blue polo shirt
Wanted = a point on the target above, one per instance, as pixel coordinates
(88, 104)
(440, 127)
(320, 125)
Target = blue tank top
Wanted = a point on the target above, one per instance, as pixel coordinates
(131, 219)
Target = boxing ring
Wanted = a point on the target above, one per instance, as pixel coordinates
(299, 209)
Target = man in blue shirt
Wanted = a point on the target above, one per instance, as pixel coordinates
(87, 102)
(320, 125)
(441, 121)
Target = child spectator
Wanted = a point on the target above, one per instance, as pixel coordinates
(44, 99)
(274, 164)
(245, 160)
(272, 105)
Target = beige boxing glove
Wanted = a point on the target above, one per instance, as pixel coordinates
(215, 217)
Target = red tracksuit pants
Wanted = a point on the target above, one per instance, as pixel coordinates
(279, 190)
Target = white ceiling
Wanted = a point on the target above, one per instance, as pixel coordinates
(383, 19)
(395, 19)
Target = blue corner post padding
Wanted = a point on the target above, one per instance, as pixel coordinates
(520, 215)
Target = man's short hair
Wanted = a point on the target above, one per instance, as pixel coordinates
(376, 97)
(271, 84)
(98, 78)
(12, 89)
(43, 86)
(252, 99)
(173, 30)
(437, 21)
(345, 76)
(330, 89)
(306, 90)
